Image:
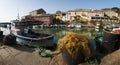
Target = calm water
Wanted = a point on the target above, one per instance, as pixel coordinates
(59, 33)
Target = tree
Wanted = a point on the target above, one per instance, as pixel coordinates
(116, 9)
(114, 17)
(77, 18)
(58, 21)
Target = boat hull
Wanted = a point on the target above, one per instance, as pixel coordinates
(47, 41)
(110, 41)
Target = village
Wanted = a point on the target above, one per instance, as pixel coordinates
(75, 37)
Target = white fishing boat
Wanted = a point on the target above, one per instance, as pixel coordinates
(29, 37)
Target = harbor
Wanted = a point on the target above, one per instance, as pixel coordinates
(58, 44)
(17, 54)
(59, 32)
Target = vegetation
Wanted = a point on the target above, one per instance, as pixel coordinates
(114, 17)
(116, 9)
(77, 18)
(84, 22)
(93, 22)
(100, 22)
(58, 21)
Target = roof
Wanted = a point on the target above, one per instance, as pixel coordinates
(39, 10)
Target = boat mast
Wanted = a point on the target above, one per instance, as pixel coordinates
(18, 17)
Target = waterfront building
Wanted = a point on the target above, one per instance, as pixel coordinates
(37, 12)
(60, 15)
(26, 17)
(84, 14)
(39, 15)
(90, 14)
(111, 13)
(119, 16)
(64, 16)
(47, 19)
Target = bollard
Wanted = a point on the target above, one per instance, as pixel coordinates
(69, 60)
(1, 33)
(9, 40)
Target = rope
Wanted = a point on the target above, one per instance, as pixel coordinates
(41, 51)
(93, 60)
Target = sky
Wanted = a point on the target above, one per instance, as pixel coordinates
(9, 9)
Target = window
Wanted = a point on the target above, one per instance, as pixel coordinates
(69, 13)
(75, 13)
(96, 15)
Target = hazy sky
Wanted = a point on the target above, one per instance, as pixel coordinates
(10, 8)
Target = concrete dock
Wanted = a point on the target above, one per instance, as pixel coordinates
(22, 55)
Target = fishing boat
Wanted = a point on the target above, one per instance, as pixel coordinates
(27, 36)
(111, 40)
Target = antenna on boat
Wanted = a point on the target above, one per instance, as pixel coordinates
(18, 16)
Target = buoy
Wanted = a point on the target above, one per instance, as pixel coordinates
(9, 40)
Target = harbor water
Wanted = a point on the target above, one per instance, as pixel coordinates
(60, 32)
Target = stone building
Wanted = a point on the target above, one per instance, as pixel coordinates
(60, 15)
(37, 12)
(46, 19)
(90, 14)
(39, 15)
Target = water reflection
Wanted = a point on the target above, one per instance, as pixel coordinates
(59, 33)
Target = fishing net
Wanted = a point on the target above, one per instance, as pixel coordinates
(75, 44)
